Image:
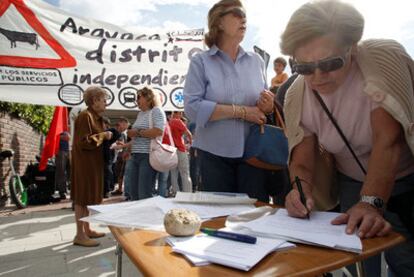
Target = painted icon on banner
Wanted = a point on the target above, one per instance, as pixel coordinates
(177, 97)
(162, 95)
(128, 97)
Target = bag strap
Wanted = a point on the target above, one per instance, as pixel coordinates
(168, 129)
(278, 118)
(341, 134)
(167, 126)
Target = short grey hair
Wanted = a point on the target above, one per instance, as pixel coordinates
(319, 18)
(92, 93)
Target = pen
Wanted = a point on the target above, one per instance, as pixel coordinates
(302, 195)
(231, 194)
(229, 235)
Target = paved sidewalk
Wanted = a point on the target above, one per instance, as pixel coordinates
(37, 241)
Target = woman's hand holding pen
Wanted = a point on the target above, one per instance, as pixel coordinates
(294, 205)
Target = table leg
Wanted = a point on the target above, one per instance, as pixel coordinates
(118, 254)
(360, 269)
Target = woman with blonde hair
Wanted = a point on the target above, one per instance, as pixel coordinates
(150, 123)
(365, 88)
(224, 94)
(88, 163)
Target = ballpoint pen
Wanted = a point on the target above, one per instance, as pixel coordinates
(302, 195)
(229, 235)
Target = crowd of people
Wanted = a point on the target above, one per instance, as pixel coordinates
(349, 102)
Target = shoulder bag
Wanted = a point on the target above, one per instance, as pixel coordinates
(162, 157)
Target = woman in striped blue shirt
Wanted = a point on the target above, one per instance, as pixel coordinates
(139, 175)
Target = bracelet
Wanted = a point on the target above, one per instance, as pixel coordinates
(234, 110)
(239, 112)
(244, 113)
(139, 132)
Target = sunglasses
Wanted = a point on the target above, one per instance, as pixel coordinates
(326, 65)
(236, 11)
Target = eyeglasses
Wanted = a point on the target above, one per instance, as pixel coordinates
(326, 65)
(236, 11)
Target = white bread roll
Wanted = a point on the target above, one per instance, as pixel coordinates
(181, 222)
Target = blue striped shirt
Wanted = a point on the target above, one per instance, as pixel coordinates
(213, 78)
(140, 144)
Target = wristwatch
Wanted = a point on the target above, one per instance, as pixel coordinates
(374, 201)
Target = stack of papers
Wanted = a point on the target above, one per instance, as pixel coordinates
(142, 214)
(149, 213)
(201, 249)
(318, 230)
(213, 197)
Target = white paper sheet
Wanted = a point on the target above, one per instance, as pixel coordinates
(143, 214)
(110, 207)
(318, 230)
(171, 240)
(206, 211)
(125, 205)
(146, 217)
(149, 213)
(227, 252)
(193, 259)
(213, 197)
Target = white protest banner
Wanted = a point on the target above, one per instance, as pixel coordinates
(50, 57)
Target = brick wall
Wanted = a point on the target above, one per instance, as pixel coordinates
(26, 143)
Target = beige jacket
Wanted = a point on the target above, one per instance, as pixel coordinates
(389, 79)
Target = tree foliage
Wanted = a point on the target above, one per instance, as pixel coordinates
(37, 116)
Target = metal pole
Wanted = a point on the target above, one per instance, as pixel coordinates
(360, 269)
(118, 253)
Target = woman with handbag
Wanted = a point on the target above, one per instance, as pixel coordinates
(224, 93)
(356, 99)
(139, 175)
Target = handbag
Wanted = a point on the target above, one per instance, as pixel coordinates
(267, 145)
(162, 157)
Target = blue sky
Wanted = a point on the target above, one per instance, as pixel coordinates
(266, 18)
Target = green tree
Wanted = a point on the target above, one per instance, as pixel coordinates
(37, 116)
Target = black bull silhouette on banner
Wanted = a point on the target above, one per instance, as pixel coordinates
(14, 36)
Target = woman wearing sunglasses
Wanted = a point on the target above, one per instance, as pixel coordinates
(225, 92)
(367, 88)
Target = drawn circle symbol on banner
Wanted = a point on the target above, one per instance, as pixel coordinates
(109, 96)
(177, 97)
(127, 97)
(71, 94)
(162, 95)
